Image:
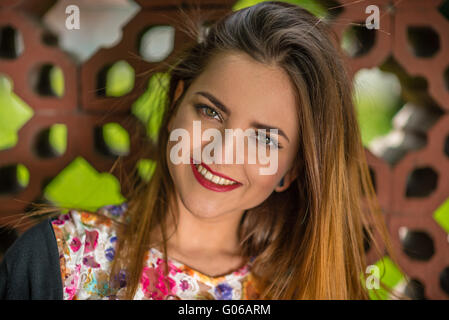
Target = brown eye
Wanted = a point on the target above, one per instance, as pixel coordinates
(211, 113)
(208, 111)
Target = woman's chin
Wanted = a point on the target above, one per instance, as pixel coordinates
(203, 208)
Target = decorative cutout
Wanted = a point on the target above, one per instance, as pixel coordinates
(444, 280)
(441, 215)
(112, 140)
(415, 290)
(11, 43)
(421, 182)
(14, 113)
(13, 178)
(50, 39)
(115, 80)
(418, 245)
(358, 40)
(424, 42)
(101, 25)
(48, 80)
(52, 142)
(397, 121)
(156, 43)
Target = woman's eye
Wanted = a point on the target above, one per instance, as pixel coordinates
(208, 111)
(268, 141)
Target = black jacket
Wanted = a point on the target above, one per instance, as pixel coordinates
(30, 268)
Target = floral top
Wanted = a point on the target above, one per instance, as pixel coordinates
(86, 244)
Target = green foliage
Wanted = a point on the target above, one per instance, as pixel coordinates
(149, 107)
(79, 185)
(57, 81)
(116, 138)
(14, 113)
(23, 175)
(389, 275)
(441, 215)
(58, 138)
(145, 168)
(311, 5)
(119, 79)
(377, 100)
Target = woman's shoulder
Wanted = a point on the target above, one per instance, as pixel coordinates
(29, 267)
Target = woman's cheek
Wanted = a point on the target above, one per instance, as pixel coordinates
(265, 182)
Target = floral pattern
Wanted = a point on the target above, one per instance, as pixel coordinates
(86, 244)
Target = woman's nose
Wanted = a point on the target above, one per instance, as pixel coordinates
(229, 146)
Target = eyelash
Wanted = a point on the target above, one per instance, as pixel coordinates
(276, 144)
(202, 107)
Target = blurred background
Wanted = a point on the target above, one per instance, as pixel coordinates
(73, 100)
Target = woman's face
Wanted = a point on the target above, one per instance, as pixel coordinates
(235, 92)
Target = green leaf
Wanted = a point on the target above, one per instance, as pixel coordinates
(145, 168)
(79, 185)
(310, 5)
(57, 81)
(116, 138)
(23, 175)
(441, 215)
(119, 79)
(150, 106)
(58, 138)
(14, 113)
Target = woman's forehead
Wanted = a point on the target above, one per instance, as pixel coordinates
(245, 85)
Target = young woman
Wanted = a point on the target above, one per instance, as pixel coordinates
(223, 230)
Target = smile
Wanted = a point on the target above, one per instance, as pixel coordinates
(212, 180)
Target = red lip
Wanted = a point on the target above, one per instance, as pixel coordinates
(209, 184)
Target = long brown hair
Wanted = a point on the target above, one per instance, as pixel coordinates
(308, 240)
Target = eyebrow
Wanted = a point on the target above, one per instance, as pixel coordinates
(215, 101)
(222, 107)
(258, 125)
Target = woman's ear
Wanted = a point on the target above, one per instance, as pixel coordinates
(179, 90)
(178, 93)
(286, 180)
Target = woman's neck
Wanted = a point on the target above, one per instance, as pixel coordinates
(208, 245)
(196, 235)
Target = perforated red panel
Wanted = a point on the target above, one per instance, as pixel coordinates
(81, 109)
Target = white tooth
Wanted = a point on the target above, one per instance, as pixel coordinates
(203, 171)
(208, 176)
(200, 167)
(215, 179)
(222, 181)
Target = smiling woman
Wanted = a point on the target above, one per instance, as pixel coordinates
(223, 230)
